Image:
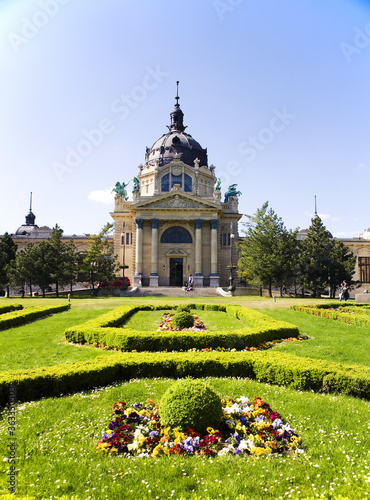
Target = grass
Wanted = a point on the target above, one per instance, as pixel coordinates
(56, 454)
(38, 343)
(213, 320)
(329, 340)
(56, 437)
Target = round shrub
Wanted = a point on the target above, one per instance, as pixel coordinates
(183, 320)
(182, 309)
(191, 403)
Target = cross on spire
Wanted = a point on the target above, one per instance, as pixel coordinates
(177, 105)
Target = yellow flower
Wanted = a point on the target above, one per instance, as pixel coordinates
(166, 431)
(257, 451)
(179, 436)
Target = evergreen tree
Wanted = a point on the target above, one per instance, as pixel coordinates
(8, 250)
(342, 266)
(24, 271)
(268, 251)
(64, 260)
(99, 262)
(44, 264)
(315, 258)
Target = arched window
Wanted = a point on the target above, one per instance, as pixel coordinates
(165, 185)
(187, 183)
(176, 234)
(176, 179)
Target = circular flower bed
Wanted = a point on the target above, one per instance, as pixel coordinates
(167, 324)
(247, 429)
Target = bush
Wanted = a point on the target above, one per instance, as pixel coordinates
(17, 318)
(183, 309)
(191, 403)
(12, 307)
(273, 368)
(183, 320)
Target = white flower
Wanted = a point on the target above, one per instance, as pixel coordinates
(224, 451)
(244, 400)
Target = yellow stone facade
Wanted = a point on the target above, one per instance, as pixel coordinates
(163, 237)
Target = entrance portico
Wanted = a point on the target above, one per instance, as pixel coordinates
(176, 221)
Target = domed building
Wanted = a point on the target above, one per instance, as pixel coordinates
(176, 223)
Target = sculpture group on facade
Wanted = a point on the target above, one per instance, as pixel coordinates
(120, 188)
(231, 191)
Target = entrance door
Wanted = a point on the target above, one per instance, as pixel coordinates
(176, 272)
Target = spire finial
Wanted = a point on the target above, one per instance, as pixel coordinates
(177, 105)
(31, 201)
(315, 207)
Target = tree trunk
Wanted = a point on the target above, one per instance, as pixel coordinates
(270, 291)
(57, 289)
(30, 289)
(43, 293)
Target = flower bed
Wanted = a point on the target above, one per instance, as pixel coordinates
(258, 328)
(246, 429)
(352, 315)
(166, 324)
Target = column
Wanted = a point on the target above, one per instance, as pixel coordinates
(139, 252)
(153, 278)
(198, 278)
(214, 277)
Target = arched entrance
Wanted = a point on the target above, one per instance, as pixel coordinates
(176, 271)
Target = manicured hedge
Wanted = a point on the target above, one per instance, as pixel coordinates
(259, 328)
(17, 318)
(266, 366)
(352, 317)
(11, 307)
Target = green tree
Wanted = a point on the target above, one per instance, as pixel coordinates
(24, 271)
(268, 251)
(342, 266)
(8, 250)
(63, 260)
(43, 265)
(99, 262)
(315, 258)
(72, 257)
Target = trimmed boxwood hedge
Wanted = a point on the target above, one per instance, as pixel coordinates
(10, 307)
(259, 328)
(342, 313)
(266, 366)
(17, 318)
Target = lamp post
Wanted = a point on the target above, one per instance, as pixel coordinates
(123, 287)
(231, 287)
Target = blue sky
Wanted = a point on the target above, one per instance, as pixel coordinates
(278, 91)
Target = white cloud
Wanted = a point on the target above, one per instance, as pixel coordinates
(102, 196)
(348, 234)
(324, 216)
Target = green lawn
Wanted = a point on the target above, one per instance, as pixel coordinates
(329, 340)
(56, 437)
(56, 440)
(213, 320)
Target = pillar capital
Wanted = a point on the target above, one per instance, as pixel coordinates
(139, 223)
(155, 223)
(213, 223)
(198, 223)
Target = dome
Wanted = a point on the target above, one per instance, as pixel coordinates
(176, 144)
(26, 230)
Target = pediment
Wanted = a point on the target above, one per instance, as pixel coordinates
(176, 200)
(176, 252)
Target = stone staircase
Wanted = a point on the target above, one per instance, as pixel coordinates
(170, 291)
